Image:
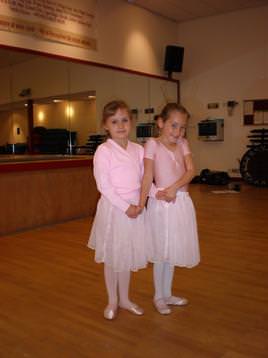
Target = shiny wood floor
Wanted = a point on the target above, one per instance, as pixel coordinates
(52, 293)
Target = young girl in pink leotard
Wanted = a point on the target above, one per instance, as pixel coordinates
(170, 212)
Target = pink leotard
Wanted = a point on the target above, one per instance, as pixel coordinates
(169, 166)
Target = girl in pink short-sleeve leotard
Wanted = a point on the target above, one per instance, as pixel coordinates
(170, 211)
(118, 231)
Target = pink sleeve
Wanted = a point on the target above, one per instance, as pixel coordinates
(101, 162)
(185, 147)
(141, 155)
(149, 149)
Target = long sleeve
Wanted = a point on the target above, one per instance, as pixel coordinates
(101, 173)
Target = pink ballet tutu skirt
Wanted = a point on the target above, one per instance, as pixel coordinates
(174, 231)
(118, 241)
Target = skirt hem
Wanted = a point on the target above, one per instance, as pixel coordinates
(174, 264)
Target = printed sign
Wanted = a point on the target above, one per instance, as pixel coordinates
(72, 23)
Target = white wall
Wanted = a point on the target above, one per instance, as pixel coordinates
(128, 37)
(226, 58)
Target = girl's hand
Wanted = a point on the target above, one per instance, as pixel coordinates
(170, 194)
(166, 195)
(133, 211)
(139, 209)
(160, 195)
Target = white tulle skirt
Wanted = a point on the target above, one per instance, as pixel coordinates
(118, 241)
(174, 231)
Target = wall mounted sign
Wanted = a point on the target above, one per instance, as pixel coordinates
(68, 22)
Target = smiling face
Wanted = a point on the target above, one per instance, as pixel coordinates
(119, 125)
(174, 127)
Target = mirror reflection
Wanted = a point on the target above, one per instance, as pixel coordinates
(53, 106)
(64, 124)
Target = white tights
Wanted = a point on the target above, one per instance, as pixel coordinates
(117, 282)
(163, 276)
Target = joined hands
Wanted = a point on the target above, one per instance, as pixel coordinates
(133, 211)
(168, 195)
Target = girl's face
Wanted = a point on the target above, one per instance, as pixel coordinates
(174, 127)
(118, 125)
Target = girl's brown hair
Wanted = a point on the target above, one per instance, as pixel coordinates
(112, 107)
(173, 107)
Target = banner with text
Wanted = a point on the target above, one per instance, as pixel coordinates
(54, 20)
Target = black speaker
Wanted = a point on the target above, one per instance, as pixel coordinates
(173, 59)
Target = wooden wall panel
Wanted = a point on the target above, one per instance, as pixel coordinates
(36, 198)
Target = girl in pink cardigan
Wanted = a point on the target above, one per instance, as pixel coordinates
(118, 231)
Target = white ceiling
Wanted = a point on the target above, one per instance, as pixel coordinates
(185, 10)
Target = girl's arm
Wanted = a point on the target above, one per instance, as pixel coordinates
(101, 165)
(146, 181)
(185, 179)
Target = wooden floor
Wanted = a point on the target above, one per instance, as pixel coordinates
(52, 293)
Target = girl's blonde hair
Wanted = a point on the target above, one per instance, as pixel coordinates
(173, 107)
(112, 107)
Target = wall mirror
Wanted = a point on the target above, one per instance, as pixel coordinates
(53, 106)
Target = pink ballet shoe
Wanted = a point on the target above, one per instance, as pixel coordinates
(110, 312)
(161, 306)
(176, 301)
(133, 308)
